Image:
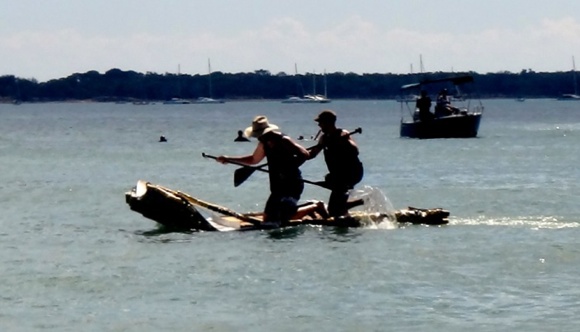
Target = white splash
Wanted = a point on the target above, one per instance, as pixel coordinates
(378, 207)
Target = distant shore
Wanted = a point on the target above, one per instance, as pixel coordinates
(117, 85)
(328, 105)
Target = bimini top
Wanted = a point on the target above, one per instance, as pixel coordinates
(456, 80)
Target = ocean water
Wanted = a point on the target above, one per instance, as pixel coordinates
(75, 257)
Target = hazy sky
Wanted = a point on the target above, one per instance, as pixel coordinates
(47, 39)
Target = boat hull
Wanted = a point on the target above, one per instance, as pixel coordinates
(569, 97)
(205, 100)
(177, 101)
(306, 100)
(453, 126)
(179, 211)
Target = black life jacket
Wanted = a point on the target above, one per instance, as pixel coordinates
(342, 158)
(283, 166)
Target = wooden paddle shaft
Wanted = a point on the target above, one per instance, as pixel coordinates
(218, 209)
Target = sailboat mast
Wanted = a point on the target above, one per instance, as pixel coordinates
(325, 95)
(299, 87)
(209, 76)
(574, 73)
(313, 83)
(179, 80)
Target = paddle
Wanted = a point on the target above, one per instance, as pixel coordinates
(218, 209)
(242, 174)
(254, 168)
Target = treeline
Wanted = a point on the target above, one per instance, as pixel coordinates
(119, 85)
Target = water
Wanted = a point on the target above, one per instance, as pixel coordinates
(74, 257)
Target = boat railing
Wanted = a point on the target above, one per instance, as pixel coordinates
(407, 107)
(478, 108)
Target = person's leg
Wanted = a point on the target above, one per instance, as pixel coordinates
(287, 208)
(337, 203)
(272, 208)
(289, 197)
(313, 209)
(280, 209)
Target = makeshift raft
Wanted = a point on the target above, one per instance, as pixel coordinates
(179, 211)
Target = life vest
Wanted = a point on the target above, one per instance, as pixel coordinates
(283, 166)
(342, 160)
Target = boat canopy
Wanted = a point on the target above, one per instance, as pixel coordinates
(456, 80)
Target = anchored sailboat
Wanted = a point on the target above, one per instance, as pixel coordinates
(208, 100)
(309, 98)
(177, 100)
(314, 96)
(572, 96)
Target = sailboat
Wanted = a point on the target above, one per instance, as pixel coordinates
(309, 98)
(177, 100)
(316, 97)
(572, 96)
(208, 100)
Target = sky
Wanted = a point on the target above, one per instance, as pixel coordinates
(51, 39)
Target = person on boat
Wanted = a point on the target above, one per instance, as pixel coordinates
(443, 106)
(423, 105)
(241, 137)
(285, 157)
(345, 169)
(162, 139)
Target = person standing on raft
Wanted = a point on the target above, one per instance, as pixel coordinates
(285, 157)
(345, 169)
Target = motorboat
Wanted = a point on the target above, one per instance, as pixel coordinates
(448, 121)
(462, 125)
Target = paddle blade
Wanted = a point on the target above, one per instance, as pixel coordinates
(242, 174)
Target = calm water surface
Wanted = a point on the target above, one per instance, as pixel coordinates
(74, 257)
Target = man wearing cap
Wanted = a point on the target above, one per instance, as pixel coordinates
(341, 156)
(284, 159)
